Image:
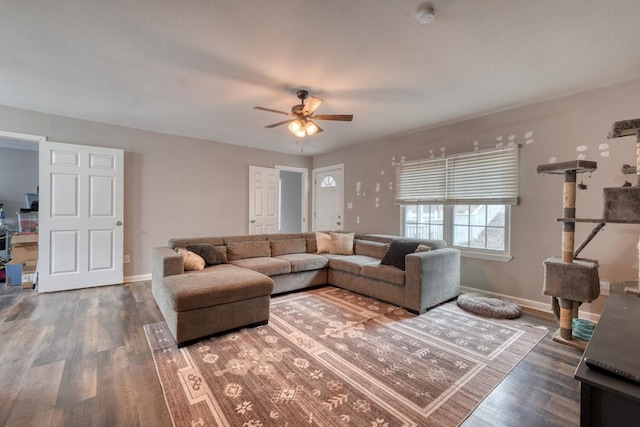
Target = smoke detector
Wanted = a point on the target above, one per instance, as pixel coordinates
(426, 15)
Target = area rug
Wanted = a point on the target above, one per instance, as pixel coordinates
(329, 357)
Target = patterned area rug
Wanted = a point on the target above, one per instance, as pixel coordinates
(329, 357)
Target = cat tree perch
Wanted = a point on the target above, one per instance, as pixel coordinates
(625, 200)
(573, 280)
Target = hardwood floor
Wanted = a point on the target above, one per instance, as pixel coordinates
(80, 358)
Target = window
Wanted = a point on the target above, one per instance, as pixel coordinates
(463, 199)
(328, 181)
(475, 229)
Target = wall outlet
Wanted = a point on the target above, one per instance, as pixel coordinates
(605, 288)
(126, 259)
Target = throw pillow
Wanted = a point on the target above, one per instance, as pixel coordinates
(397, 251)
(323, 242)
(209, 253)
(222, 250)
(341, 243)
(423, 248)
(190, 260)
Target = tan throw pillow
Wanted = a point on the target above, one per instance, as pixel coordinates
(423, 248)
(341, 243)
(323, 242)
(191, 260)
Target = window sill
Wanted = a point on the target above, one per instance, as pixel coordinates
(484, 255)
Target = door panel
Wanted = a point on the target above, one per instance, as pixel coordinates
(328, 185)
(264, 184)
(81, 233)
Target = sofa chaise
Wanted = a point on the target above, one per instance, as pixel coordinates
(235, 291)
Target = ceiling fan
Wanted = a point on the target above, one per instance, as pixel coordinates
(301, 124)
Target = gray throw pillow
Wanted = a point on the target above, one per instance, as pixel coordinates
(210, 254)
(397, 251)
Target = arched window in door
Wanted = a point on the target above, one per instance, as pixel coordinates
(328, 181)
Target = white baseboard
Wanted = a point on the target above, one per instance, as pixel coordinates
(139, 278)
(527, 303)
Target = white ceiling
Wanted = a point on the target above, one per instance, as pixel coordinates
(197, 67)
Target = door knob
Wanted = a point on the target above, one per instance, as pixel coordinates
(119, 223)
(338, 222)
(252, 221)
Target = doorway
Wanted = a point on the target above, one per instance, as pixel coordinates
(327, 198)
(278, 201)
(293, 199)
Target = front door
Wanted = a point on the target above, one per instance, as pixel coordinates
(328, 188)
(81, 214)
(264, 186)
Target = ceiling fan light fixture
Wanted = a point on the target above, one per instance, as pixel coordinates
(311, 128)
(300, 133)
(296, 126)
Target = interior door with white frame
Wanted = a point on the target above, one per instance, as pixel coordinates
(264, 200)
(303, 209)
(327, 198)
(81, 216)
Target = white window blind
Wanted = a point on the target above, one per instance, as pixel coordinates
(422, 181)
(482, 177)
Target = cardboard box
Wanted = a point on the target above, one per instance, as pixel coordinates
(24, 248)
(28, 279)
(21, 273)
(14, 274)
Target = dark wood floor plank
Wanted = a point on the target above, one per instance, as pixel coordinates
(115, 390)
(39, 389)
(85, 352)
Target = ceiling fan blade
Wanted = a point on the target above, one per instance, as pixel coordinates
(311, 105)
(340, 117)
(319, 129)
(271, 110)
(279, 123)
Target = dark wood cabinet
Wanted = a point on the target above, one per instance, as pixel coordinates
(607, 400)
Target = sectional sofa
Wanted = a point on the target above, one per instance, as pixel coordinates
(234, 289)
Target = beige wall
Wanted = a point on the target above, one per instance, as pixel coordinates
(174, 186)
(177, 186)
(557, 128)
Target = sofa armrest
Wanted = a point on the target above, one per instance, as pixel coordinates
(165, 262)
(432, 278)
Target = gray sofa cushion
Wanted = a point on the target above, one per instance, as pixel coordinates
(215, 285)
(288, 246)
(242, 250)
(184, 242)
(371, 248)
(243, 238)
(350, 263)
(283, 236)
(265, 265)
(378, 271)
(305, 262)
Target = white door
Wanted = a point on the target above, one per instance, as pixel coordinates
(81, 213)
(264, 186)
(328, 188)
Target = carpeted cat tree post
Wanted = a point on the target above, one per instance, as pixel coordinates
(570, 279)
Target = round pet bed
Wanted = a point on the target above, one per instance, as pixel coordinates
(489, 306)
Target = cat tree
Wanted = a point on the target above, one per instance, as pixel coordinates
(573, 280)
